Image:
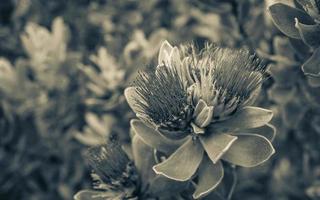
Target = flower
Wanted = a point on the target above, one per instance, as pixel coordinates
(196, 109)
(303, 25)
(114, 174)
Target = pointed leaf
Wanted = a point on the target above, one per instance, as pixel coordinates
(183, 163)
(249, 150)
(210, 176)
(309, 33)
(268, 131)
(153, 138)
(247, 117)
(283, 16)
(217, 144)
(164, 52)
(312, 65)
(143, 160)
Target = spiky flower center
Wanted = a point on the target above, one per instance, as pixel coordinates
(164, 98)
(112, 166)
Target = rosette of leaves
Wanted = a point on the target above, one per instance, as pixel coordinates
(196, 110)
(303, 27)
(116, 175)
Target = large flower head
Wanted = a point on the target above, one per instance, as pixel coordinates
(196, 109)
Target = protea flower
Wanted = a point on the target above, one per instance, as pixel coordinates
(114, 174)
(196, 109)
(302, 25)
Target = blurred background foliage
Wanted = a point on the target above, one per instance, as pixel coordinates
(64, 66)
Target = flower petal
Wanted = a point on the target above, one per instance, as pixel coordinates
(247, 117)
(309, 33)
(312, 65)
(164, 52)
(268, 131)
(210, 176)
(183, 163)
(132, 96)
(249, 150)
(283, 16)
(153, 138)
(143, 160)
(92, 195)
(163, 186)
(314, 81)
(217, 144)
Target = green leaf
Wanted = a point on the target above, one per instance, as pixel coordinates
(143, 160)
(183, 163)
(249, 150)
(312, 65)
(92, 195)
(309, 33)
(283, 16)
(247, 117)
(153, 138)
(268, 131)
(210, 176)
(217, 144)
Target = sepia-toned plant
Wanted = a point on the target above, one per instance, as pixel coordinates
(196, 109)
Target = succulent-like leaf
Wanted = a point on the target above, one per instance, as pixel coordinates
(183, 163)
(312, 65)
(249, 150)
(217, 144)
(210, 176)
(153, 138)
(268, 131)
(247, 117)
(309, 33)
(284, 18)
(143, 160)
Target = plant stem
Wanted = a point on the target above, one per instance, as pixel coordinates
(234, 182)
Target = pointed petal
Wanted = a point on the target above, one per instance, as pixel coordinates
(153, 138)
(309, 33)
(164, 52)
(247, 117)
(249, 150)
(268, 131)
(210, 176)
(131, 96)
(217, 144)
(183, 163)
(283, 16)
(312, 65)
